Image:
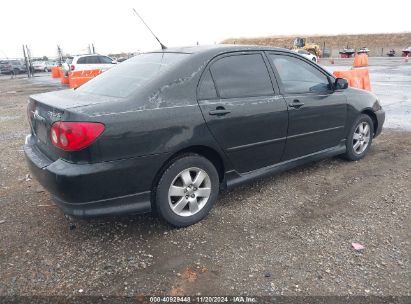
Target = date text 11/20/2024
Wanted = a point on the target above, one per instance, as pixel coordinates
(203, 299)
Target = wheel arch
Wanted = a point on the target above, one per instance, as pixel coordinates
(373, 117)
(207, 152)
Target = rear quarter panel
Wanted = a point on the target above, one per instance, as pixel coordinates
(153, 131)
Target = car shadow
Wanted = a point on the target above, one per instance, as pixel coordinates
(149, 225)
(253, 188)
(138, 222)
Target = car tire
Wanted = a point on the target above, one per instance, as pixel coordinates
(360, 138)
(314, 59)
(186, 190)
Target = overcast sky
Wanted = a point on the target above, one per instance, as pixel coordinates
(113, 27)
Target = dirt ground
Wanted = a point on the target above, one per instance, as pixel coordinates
(290, 234)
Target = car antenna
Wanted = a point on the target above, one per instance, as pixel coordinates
(163, 47)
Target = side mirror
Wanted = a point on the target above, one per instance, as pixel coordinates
(340, 84)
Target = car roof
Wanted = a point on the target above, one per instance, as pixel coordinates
(87, 55)
(219, 48)
(207, 52)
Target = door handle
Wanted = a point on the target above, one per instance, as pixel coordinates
(296, 104)
(219, 111)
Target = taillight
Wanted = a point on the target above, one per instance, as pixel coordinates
(30, 111)
(72, 67)
(73, 136)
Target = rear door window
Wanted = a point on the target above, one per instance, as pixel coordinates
(244, 75)
(207, 89)
(298, 76)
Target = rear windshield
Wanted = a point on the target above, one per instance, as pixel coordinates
(125, 78)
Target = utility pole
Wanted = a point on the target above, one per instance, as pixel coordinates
(29, 60)
(60, 55)
(26, 60)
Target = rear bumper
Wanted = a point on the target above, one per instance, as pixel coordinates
(135, 203)
(88, 190)
(380, 114)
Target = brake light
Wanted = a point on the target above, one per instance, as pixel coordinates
(30, 111)
(73, 136)
(72, 67)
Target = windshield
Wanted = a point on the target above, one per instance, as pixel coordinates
(127, 77)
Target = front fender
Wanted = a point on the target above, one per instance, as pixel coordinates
(361, 101)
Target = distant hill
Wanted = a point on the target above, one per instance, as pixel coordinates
(377, 43)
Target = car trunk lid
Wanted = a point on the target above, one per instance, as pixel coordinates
(66, 105)
(41, 116)
(69, 99)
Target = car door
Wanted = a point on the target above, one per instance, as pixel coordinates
(316, 112)
(243, 112)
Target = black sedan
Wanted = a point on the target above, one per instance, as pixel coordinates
(167, 130)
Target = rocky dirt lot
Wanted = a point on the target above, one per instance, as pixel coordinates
(290, 234)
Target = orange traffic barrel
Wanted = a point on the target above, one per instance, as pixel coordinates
(78, 78)
(85, 73)
(358, 78)
(55, 72)
(63, 78)
(75, 82)
(360, 60)
(364, 75)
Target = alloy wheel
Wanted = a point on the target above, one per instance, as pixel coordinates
(189, 191)
(361, 137)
